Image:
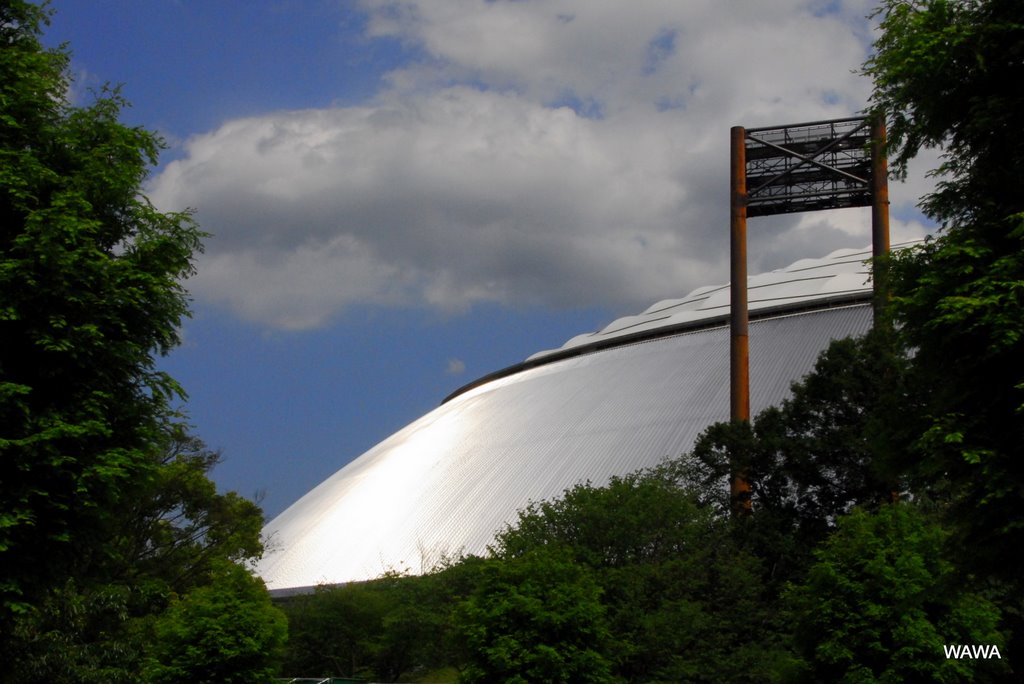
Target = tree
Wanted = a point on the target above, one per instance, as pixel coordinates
(946, 75)
(176, 527)
(173, 537)
(393, 628)
(90, 292)
(225, 631)
(74, 635)
(684, 601)
(107, 513)
(338, 630)
(881, 601)
(643, 517)
(537, 618)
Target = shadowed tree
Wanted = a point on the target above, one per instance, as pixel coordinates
(946, 74)
(106, 509)
(881, 601)
(90, 294)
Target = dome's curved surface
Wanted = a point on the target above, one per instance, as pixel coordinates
(604, 404)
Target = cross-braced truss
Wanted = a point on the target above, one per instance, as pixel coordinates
(809, 166)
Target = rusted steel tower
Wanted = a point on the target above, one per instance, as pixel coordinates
(810, 166)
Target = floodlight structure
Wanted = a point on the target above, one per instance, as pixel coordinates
(811, 166)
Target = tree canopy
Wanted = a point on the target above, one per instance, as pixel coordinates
(107, 513)
(881, 600)
(224, 631)
(90, 290)
(946, 74)
(537, 618)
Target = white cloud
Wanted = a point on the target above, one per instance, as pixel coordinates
(556, 153)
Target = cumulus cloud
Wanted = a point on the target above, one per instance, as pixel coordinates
(566, 153)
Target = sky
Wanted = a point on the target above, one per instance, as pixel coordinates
(404, 195)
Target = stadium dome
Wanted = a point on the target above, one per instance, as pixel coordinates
(603, 404)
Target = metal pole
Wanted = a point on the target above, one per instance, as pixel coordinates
(739, 363)
(879, 211)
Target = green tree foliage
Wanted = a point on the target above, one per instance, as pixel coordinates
(684, 602)
(90, 290)
(947, 75)
(537, 618)
(174, 536)
(881, 600)
(226, 631)
(394, 628)
(176, 526)
(75, 634)
(107, 513)
(339, 630)
(644, 517)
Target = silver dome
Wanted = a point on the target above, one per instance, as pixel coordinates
(605, 403)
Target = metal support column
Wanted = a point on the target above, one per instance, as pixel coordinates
(739, 366)
(879, 211)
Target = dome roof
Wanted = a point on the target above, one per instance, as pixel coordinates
(841, 276)
(603, 404)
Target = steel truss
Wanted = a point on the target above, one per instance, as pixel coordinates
(808, 166)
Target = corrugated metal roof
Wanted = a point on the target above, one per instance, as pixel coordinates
(448, 481)
(841, 276)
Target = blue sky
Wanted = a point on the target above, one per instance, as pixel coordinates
(403, 195)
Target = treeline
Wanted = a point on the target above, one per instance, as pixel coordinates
(843, 573)
(634, 581)
(886, 492)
